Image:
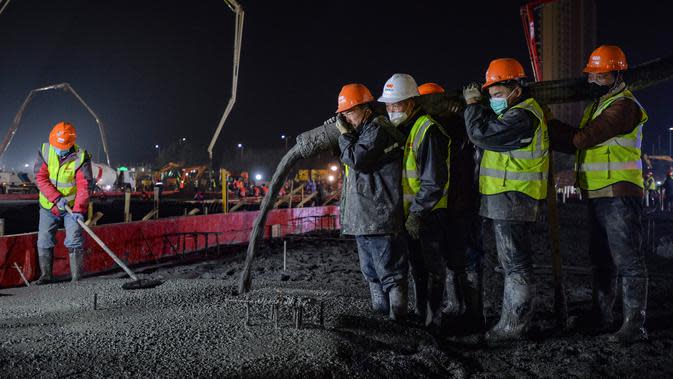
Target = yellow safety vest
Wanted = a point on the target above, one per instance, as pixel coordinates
(62, 174)
(615, 160)
(522, 170)
(411, 182)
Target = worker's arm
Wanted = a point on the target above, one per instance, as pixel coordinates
(619, 118)
(362, 151)
(84, 180)
(514, 130)
(42, 180)
(433, 171)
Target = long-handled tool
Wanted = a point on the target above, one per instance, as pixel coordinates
(560, 304)
(136, 283)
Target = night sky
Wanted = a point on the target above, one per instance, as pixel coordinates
(157, 71)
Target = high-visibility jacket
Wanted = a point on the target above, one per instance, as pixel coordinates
(651, 184)
(411, 182)
(615, 160)
(522, 170)
(62, 174)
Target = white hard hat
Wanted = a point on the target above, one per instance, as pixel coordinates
(399, 87)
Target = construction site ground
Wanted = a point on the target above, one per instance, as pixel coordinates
(193, 324)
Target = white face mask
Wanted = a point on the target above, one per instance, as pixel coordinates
(396, 118)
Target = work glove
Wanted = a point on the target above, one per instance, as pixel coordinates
(413, 225)
(61, 203)
(472, 93)
(77, 217)
(343, 125)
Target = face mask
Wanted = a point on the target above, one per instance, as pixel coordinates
(498, 104)
(596, 90)
(396, 118)
(61, 153)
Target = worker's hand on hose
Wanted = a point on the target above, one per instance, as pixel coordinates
(61, 203)
(413, 225)
(77, 217)
(343, 125)
(472, 93)
(548, 115)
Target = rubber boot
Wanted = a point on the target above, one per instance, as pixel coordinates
(452, 306)
(473, 289)
(45, 257)
(420, 295)
(604, 293)
(436, 286)
(634, 298)
(76, 258)
(398, 301)
(379, 298)
(517, 311)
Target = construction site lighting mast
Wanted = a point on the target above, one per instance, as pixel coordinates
(238, 38)
(527, 12)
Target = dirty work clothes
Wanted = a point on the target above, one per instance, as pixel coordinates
(615, 246)
(512, 240)
(383, 259)
(47, 231)
(372, 190)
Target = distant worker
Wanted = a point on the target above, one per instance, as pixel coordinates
(650, 189)
(425, 184)
(512, 182)
(668, 191)
(463, 291)
(608, 144)
(372, 198)
(63, 176)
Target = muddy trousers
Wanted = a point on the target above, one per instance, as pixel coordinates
(429, 259)
(512, 240)
(383, 262)
(616, 253)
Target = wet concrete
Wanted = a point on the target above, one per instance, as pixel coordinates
(192, 325)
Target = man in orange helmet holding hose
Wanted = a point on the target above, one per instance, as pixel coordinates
(609, 173)
(63, 176)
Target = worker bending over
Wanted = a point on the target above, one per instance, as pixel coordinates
(371, 203)
(63, 176)
(512, 182)
(425, 184)
(609, 173)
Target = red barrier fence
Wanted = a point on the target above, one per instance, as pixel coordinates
(148, 241)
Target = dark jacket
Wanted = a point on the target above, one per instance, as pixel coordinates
(464, 169)
(372, 191)
(514, 130)
(431, 159)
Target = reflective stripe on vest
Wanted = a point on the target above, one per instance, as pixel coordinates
(62, 174)
(615, 160)
(411, 184)
(522, 170)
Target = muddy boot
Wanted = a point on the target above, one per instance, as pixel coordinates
(379, 298)
(517, 311)
(45, 258)
(398, 301)
(472, 287)
(634, 297)
(420, 297)
(436, 286)
(76, 257)
(452, 306)
(604, 292)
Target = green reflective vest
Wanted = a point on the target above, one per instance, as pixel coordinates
(615, 160)
(522, 170)
(411, 182)
(62, 174)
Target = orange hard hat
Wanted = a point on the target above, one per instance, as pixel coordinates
(428, 88)
(62, 136)
(502, 70)
(606, 58)
(352, 95)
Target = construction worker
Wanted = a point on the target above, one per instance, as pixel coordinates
(371, 204)
(609, 173)
(425, 183)
(668, 191)
(512, 182)
(463, 290)
(651, 189)
(63, 176)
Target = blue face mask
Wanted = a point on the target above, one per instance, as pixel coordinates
(498, 104)
(61, 153)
